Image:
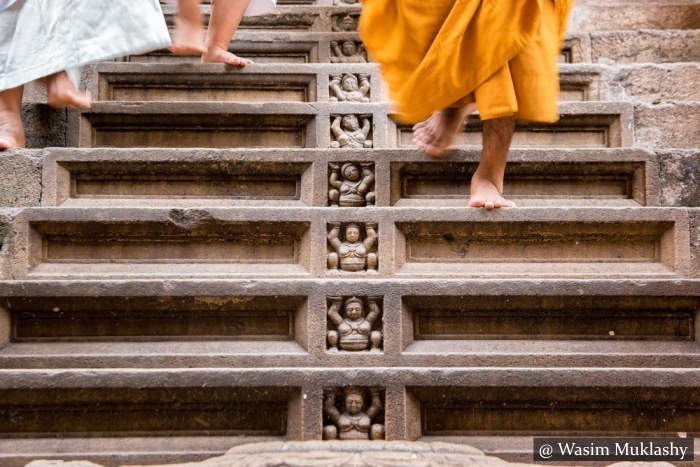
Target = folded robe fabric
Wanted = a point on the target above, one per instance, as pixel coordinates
(436, 53)
(42, 37)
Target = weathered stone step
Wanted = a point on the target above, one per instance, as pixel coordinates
(452, 353)
(644, 46)
(116, 81)
(591, 15)
(655, 83)
(52, 243)
(231, 177)
(301, 17)
(120, 451)
(297, 124)
(435, 402)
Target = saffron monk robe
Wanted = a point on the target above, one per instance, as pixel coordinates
(444, 59)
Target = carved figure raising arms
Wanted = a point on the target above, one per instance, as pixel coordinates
(348, 52)
(345, 23)
(347, 87)
(349, 187)
(348, 134)
(353, 254)
(354, 329)
(353, 422)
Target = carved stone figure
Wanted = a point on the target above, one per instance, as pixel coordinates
(353, 422)
(353, 254)
(348, 134)
(349, 186)
(345, 23)
(354, 329)
(348, 52)
(349, 87)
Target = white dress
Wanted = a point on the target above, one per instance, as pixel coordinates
(42, 37)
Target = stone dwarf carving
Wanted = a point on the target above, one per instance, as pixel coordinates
(349, 186)
(348, 87)
(348, 134)
(353, 329)
(352, 254)
(353, 422)
(345, 23)
(348, 52)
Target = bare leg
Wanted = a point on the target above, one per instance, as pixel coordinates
(225, 17)
(62, 93)
(487, 181)
(11, 129)
(436, 134)
(189, 33)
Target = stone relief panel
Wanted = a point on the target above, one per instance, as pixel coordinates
(351, 252)
(354, 324)
(351, 184)
(349, 87)
(353, 413)
(348, 52)
(351, 131)
(346, 22)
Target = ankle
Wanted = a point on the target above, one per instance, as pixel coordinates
(494, 177)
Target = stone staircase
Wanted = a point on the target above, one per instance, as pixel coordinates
(169, 283)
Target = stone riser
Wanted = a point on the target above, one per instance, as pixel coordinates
(272, 82)
(290, 125)
(98, 177)
(417, 402)
(584, 17)
(269, 242)
(623, 47)
(524, 323)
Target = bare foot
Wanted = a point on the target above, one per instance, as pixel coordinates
(11, 130)
(436, 134)
(486, 193)
(62, 93)
(188, 38)
(219, 55)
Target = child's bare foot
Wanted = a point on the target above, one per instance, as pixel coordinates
(486, 193)
(436, 134)
(11, 132)
(11, 129)
(62, 93)
(188, 38)
(219, 55)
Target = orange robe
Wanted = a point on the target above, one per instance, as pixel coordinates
(503, 54)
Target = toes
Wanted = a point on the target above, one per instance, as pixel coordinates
(5, 143)
(504, 203)
(476, 202)
(489, 204)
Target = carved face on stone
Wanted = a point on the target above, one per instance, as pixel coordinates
(350, 83)
(351, 173)
(354, 309)
(353, 403)
(350, 123)
(352, 233)
(349, 48)
(347, 23)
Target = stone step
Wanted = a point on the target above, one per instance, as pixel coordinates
(308, 82)
(274, 323)
(645, 46)
(589, 16)
(433, 402)
(261, 242)
(227, 177)
(655, 83)
(302, 17)
(423, 353)
(298, 124)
